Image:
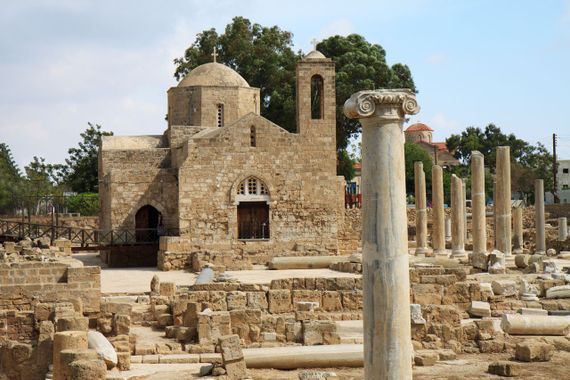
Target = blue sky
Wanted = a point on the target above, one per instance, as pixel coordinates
(66, 62)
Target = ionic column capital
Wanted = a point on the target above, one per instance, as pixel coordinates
(386, 104)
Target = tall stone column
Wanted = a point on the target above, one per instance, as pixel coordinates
(457, 218)
(478, 211)
(447, 228)
(562, 229)
(421, 212)
(518, 242)
(386, 282)
(539, 216)
(464, 191)
(504, 204)
(438, 213)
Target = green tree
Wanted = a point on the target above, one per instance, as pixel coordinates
(527, 161)
(346, 165)
(265, 58)
(80, 173)
(10, 177)
(413, 153)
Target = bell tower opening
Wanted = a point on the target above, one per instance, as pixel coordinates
(317, 101)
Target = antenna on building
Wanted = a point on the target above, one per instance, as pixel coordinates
(215, 54)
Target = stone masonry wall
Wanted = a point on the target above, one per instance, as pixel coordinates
(24, 285)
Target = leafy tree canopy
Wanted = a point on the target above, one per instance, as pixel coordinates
(413, 153)
(528, 162)
(80, 171)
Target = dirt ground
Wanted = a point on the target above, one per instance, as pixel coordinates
(466, 367)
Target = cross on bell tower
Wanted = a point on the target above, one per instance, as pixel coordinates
(215, 54)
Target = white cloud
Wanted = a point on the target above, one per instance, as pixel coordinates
(436, 59)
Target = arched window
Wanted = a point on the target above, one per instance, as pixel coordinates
(252, 188)
(317, 101)
(220, 115)
(252, 137)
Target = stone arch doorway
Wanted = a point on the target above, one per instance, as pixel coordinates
(253, 209)
(147, 221)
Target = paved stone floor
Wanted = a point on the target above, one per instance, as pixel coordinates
(137, 280)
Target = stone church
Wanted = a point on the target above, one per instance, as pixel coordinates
(223, 179)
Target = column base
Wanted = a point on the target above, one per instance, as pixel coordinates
(422, 251)
(540, 252)
(458, 254)
(441, 253)
(517, 251)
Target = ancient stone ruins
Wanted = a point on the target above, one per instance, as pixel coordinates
(255, 269)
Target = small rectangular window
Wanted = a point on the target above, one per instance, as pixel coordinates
(220, 116)
(565, 187)
(252, 137)
(565, 170)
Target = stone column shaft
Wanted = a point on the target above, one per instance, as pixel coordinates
(63, 341)
(447, 228)
(438, 213)
(539, 216)
(504, 204)
(562, 229)
(421, 212)
(518, 242)
(386, 284)
(478, 211)
(457, 218)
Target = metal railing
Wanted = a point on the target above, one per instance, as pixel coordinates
(83, 237)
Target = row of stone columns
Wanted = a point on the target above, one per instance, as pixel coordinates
(504, 221)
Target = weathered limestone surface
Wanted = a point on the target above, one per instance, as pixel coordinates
(438, 226)
(540, 238)
(63, 341)
(518, 241)
(534, 351)
(457, 218)
(562, 228)
(503, 199)
(516, 324)
(387, 330)
(478, 221)
(421, 212)
(307, 262)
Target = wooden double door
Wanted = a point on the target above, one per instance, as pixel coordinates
(253, 220)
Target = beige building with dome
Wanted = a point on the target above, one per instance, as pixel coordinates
(230, 183)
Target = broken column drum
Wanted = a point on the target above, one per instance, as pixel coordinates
(438, 225)
(503, 200)
(386, 283)
(457, 218)
(478, 220)
(539, 216)
(562, 228)
(421, 212)
(518, 242)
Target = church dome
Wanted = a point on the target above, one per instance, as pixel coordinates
(315, 54)
(213, 74)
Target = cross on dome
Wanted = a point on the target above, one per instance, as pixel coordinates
(314, 42)
(215, 54)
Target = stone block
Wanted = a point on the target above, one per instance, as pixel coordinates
(236, 300)
(533, 351)
(416, 315)
(505, 288)
(124, 361)
(167, 289)
(426, 358)
(122, 324)
(562, 291)
(87, 370)
(116, 308)
(505, 369)
(331, 301)
(75, 323)
(352, 299)
(279, 301)
(479, 309)
(521, 260)
(230, 348)
(427, 294)
(257, 300)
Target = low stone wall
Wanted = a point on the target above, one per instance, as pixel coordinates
(26, 284)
